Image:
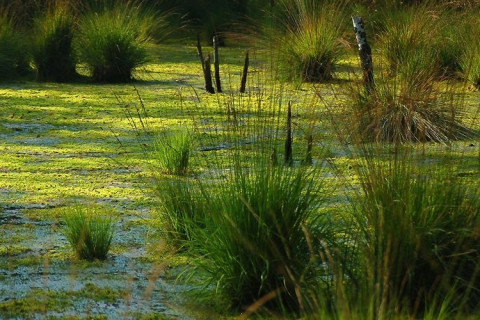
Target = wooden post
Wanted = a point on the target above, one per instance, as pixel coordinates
(216, 63)
(365, 53)
(289, 139)
(245, 73)
(208, 75)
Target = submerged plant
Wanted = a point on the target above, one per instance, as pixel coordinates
(52, 47)
(89, 231)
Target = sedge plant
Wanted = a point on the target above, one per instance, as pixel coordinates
(112, 40)
(311, 44)
(14, 54)
(172, 151)
(89, 230)
(409, 107)
(420, 230)
(52, 46)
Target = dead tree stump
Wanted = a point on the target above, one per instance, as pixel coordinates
(208, 75)
(244, 73)
(365, 53)
(216, 63)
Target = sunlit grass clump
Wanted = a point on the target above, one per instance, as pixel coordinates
(421, 236)
(112, 41)
(52, 46)
(408, 109)
(172, 151)
(311, 46)
(425, 36)
(89, 230)
(262, 236)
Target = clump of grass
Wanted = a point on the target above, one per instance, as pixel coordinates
(410, 108)
(425, 29)
(52, 48)
(173, 151)
(14, 54)
(312, 44)
(181, 211)
(263, 235)
(112, 41)
(420, 232)
(90, 231)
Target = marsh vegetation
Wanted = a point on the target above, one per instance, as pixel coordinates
(128, 190)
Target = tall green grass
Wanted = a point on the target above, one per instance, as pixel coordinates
(420, 229)
(426, 35)
(52, 44)
(172, 151)
(112, 40)
(89, 230)
(263, 235)
(408, 108)
(311, 44)
(14, 55)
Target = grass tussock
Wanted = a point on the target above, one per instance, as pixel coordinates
(425, 36)
(89, 230)
(312, 42)
(112, 41)
(14, 55)
(420, 230)
(52, 46)
(406, 109)
(262, 235)
(173, 151)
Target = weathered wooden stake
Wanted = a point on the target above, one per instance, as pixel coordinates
(365, 53)
(289, 139)
(245, 73)
(208, 75)
(216, 63)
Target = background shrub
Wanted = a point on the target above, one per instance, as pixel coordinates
(14, 57)
(52, 45)
(89, 231)
(112, 41)
(311, 45)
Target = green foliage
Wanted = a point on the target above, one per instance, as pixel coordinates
(181, 211)
(263, 234)
(420, 230)
(173, 150)
(13, 52)
(89, 231)
(407, 108)
(424, 36)
(311, 45)
(112, 41)
(52, 48)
